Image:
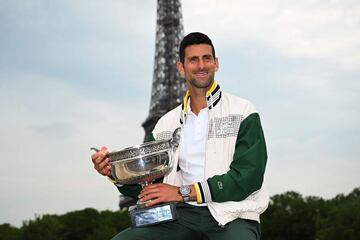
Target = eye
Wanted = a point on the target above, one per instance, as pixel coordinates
(208, 58)
(193, 60)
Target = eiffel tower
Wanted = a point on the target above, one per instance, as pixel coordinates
(168, 87)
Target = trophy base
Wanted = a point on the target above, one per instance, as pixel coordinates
(147, 216)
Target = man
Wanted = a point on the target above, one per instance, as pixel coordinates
(217, 181)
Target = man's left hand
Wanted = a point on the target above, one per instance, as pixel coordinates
(160, 193)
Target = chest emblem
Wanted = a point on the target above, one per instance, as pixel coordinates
(225, 126)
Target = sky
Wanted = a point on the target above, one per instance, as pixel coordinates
(77, 74)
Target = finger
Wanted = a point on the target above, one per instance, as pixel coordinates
(103, 163)
(106, 171)
(100, 154)
(104, 151)
(97, 158)
(148, 191)
(103, 169)
(153, 186)
(151, 196)
(93, 157)
(99, 164)
(153, 202)
(101, 158)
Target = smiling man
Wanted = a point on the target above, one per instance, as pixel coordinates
(218, 179)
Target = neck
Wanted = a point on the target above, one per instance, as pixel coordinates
(197, 103)
(198, 99)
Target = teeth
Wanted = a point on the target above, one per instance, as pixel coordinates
(201, 73)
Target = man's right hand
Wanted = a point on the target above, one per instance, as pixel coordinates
(101, 162)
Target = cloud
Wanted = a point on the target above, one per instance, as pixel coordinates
(70, 37)
(47, 130)
(311, 29)
(87, 16)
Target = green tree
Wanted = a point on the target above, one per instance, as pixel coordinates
(109, 224)
(8, 232)
(47, 227)
(79, 224)
(343, 218)
(289, 216)
(86, 224)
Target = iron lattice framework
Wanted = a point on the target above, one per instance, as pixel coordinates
(168, 87)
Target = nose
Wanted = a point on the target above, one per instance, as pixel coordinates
(201, 64)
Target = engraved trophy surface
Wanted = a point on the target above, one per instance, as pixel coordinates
(142, 164)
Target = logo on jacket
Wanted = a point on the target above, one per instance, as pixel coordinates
(225, 126)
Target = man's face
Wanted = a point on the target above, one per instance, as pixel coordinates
(199, 66)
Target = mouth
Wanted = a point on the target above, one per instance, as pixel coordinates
(201, 74)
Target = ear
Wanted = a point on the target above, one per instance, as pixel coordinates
(216, 64)
(180, 68)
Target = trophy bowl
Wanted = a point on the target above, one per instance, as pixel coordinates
(143, 163)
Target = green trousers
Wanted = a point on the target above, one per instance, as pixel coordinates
(194, 223)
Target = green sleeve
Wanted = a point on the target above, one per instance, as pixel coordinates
(248, 166)
(132, 190)
(149, 138)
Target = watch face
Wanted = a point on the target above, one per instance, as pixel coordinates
(185, 190)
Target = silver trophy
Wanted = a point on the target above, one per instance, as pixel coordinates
(142, 164)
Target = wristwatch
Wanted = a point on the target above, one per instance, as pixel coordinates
(184, 191)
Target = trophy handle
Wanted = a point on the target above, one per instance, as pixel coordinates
(95, 149)
(175, 140)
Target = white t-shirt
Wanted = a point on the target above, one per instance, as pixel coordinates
(192, 148)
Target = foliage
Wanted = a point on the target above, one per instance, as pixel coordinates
(8, 232)
(343, 218)
(290, 216)
(87, 224)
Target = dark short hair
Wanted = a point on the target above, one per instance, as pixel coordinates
(192, 39)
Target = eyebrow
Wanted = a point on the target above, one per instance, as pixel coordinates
(195, 56)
